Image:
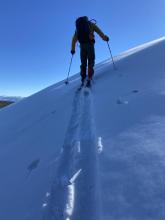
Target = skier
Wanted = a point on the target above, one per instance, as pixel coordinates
(85, 35)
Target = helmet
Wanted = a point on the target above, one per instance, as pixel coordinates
(85, 18)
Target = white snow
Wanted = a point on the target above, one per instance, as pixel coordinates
(90, 155)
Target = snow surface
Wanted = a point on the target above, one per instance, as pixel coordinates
(91, 155)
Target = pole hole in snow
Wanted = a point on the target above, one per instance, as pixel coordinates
(120, 102)
(47, 194)
(78, 147)
(53, 112)
(33, 165)
(99, 145)
(135, 91)
(44, 205)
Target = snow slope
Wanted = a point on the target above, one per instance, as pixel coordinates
(95, 154)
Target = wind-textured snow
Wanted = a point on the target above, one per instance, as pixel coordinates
(90, 155)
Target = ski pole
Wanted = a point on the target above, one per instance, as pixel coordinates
(114, 66)
(67, 81)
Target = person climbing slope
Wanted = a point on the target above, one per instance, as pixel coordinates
(85, 35)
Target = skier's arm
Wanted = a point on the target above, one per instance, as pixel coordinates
(100, 33)
(74, 40)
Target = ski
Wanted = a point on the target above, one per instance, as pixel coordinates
(80, 88)
(87, 88)
(88, 84)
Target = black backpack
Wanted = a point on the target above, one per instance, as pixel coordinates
(83, 29)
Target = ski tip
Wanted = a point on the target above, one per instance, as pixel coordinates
(88, 84)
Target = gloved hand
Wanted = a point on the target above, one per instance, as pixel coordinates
(72, 52)
(106, 38)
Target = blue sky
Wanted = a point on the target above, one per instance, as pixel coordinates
(35, 36)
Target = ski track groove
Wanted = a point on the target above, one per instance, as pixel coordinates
(86, 197)
(74, 192)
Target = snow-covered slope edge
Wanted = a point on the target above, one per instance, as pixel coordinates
(48, 143)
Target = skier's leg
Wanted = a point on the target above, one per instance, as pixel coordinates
(90, 71)
(83, 56)
(91, 61)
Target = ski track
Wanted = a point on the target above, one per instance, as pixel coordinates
(74, 193)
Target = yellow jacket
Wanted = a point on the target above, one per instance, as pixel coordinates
(93, 28)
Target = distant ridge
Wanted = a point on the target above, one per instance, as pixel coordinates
(10, 98)
(5, 103)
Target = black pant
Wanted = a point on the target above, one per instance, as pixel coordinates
(87, 55)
